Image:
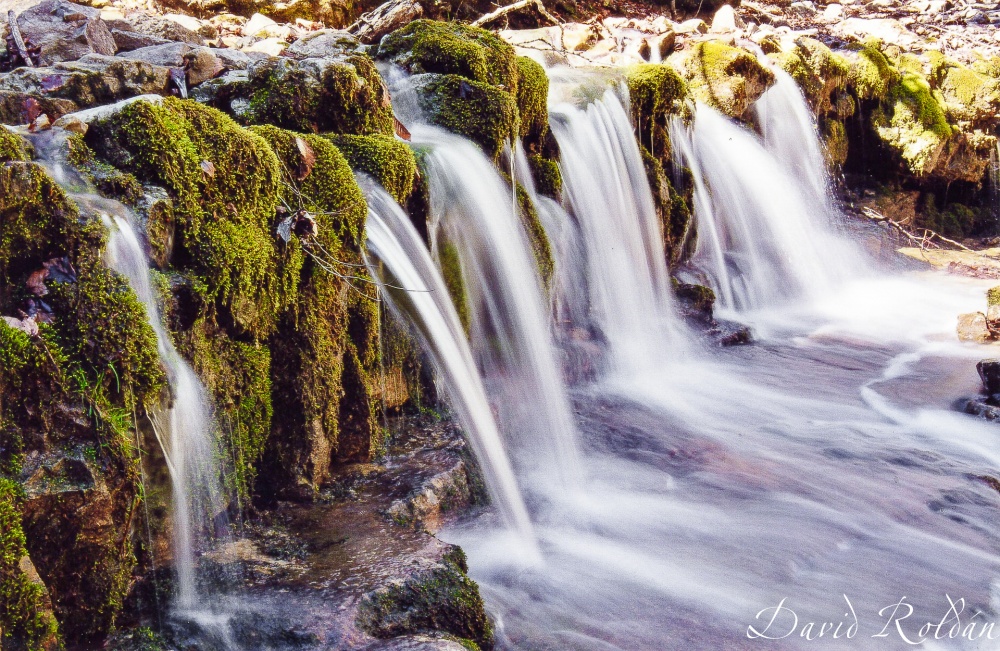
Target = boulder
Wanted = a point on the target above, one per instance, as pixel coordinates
(725, 20)
(169, 54)
(323, 43)
(65, 31)
(126, 40)
(727, 78)
(973, 327)
(989, 373)
(160, 27)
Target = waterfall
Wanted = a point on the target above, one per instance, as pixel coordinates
(790, 135)
(471, 208)
(184, 428)
(607, 191)
(417, 296)
(762, 240)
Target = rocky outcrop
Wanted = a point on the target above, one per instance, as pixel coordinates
(64, 31)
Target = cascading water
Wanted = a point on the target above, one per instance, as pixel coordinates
(184, 428)
(472, 209)
(417, 295)
(762, 239)
(607, 191)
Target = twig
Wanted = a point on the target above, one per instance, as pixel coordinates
(520, 4)
(15, 31)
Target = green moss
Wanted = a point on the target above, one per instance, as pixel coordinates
(671, 208)
(482, 113)
(12, 147)
(548, 178)
(540, 246)
(532, 101)
(817, 70)
(871, 74)
(24, 614)
(224, 181)
(37, 221)
(343, 96)
(451, 272)
(727, 78)
(452, 49)
(108, 180)
(835, 144)
(993, 296)
(965, 93)
(388, 160)
(656, 92)
(951, 220)
(916, 126)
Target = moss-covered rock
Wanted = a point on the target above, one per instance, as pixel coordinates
(671, 208)
(12, 147)
(26, 617)
(835, 144)
(532, 102)
(386, 159)
(439, 598)
(342, 95)
(913, 124)
(452, 49)
(545, 172)
(728, 78)
(818, 71)
(478, 111)
(965, 94)
(540, 246)
(324, 354)
(656, 92)
(224, 181)
(872, 75)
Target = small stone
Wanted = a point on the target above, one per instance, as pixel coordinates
(128, 41)
(973, 327)
(989, 373)
(693, 26)
(270, 46)
(833, 12)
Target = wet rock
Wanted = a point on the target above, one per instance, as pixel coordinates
(437, 596)
(973, 327)
(424, 508)
(160, 27)
(93, 80)
(65, 31)
(416, 643)
(989, 373)
(982, 408)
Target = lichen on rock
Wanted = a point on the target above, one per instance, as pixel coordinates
(727, 78)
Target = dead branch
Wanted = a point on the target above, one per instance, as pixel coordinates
(520, 4)
(15, 31)
(385, 18)
(924, 238)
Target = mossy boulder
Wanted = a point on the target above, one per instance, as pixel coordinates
(545, 172)
(437, 597)
(727, 78)
(325, 352)
(835, 143)
(819, 72)
(384, 158)
(12, 146)
(540, 246)
(452, 49)
(672, 209)
(532, 102)
(224, 181)
(478, 111)
(339, 94)
(656, 93)
(914, 125)
(871, 74)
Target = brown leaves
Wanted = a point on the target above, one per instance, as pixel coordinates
(307, 158)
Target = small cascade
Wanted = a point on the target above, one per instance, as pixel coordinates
(471, 209)
(606, 189)
(184, 428)
(417, 295)
(762, 240)
(790, 135)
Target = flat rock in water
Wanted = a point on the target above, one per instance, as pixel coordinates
(977, 264)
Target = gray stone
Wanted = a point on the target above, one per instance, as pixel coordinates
(973, 327)
(65, 31)
(989, 373)
(323, 43)
(127, 41)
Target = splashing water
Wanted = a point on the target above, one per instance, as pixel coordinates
(762, 239)
(184, 428)
(607, 191)
(472, 209)
(423, 303)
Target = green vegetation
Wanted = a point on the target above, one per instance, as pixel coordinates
(548, 178)
(871, 75)
(818, 71)
(386, 159)
(727, 78)
(12, 147)
(656, 92)
(480, 112)
(532, 101)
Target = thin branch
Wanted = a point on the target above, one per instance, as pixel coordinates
(15, 31)
(520, 4)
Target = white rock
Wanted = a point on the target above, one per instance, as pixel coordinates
(187, 22)
(257, 23)
(270, 46)
(833, 12)
(888, 30)
(724, 20)
(79, 122)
